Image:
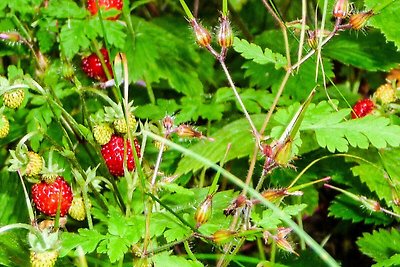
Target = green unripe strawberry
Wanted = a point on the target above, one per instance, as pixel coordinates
(385, 94)
(120, 124)
(35, 164)
(44, 259)
(13, 99)
(102, 133)
(77, 209)
(4, 126)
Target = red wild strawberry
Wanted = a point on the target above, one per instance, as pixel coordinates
(113, 154)
(362, 108)
(48, 196)
(106, 4)
(91, 65)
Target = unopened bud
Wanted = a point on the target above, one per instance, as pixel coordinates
(11, 36)
(225, 34)
(204, 211)
(223, 236)
(341, 9)
(370, 204)
(203, 37)
(168, 123)
(357, 21)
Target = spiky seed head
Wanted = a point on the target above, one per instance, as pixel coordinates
(358, 21)
(35, 164)
(225, 33)
(43, 259)
(13, 99)
(77, 209)
(385, 94)
(4, 126)
(102, 133)
(204, 211)
(202, 35)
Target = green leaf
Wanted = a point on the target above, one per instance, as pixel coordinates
(157, 111)
(253, 99)
(166, 260)
(67, 9)
(392, 261)
(271, 220)
(158, 54)
(345, 208)
(87, 239)
(380, 245)
(73, 37)
(254, 52)
(370, 52)
(166, 224)
(117, 247)
(115, 31)
(386, 19)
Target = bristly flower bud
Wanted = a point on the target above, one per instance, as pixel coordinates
(168, 123)
(13, 37)
(204, 211)
(222, 236)
(341, 9)
(372, 205)
(225, 34)
(359, 20)
(187, 131)
(203, 36)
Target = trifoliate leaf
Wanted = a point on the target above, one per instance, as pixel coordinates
(255, 53)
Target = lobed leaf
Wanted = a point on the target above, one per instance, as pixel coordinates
(255, 53)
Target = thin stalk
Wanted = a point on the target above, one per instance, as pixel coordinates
(303, 28)
(239, 99)
(189, 251)
(238, 182)
(166, 246)
(187, 10)
(327, 157)
(27, 200)
(225, 7)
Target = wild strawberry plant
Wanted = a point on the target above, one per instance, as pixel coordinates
(133, 134)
